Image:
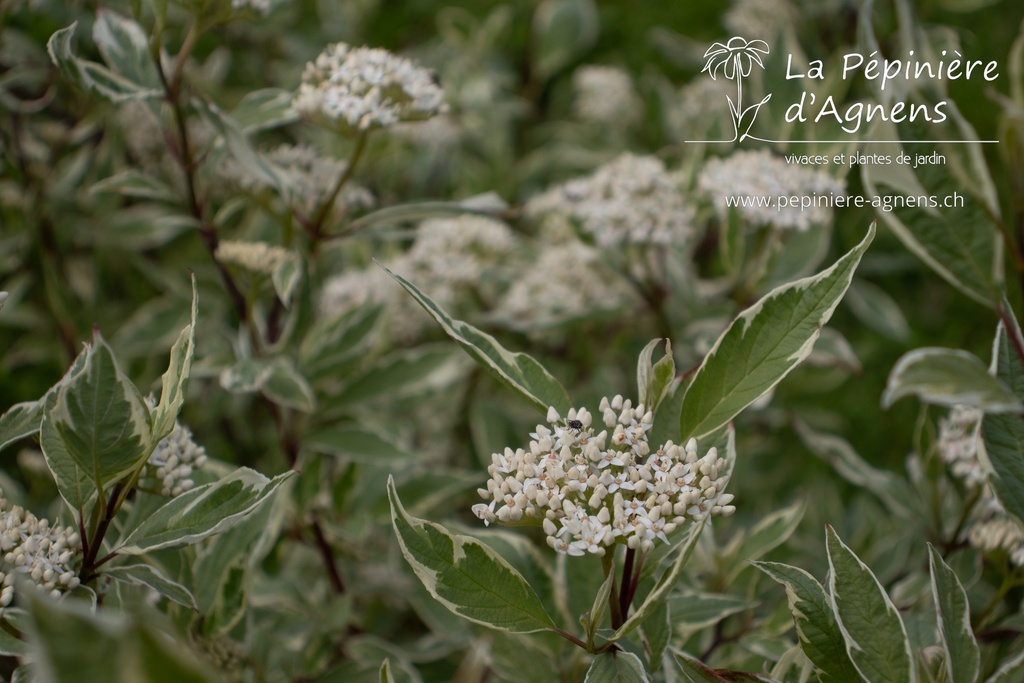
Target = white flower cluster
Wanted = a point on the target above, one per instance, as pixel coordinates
(604, 94)
(357, 89)
(258, 257)
(761, 174)
(452, 260)
(173, 461)
(454, 252)
(632, 199)
(959, 441)
(32, 547)
(564, 282)
(311, 178)
(590, 491)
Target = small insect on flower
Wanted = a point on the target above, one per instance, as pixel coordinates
(574, 426)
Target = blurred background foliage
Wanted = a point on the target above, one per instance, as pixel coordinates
(74, 256)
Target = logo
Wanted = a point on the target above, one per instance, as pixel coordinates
(735, 60)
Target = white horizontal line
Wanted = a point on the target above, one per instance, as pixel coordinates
(859, 142)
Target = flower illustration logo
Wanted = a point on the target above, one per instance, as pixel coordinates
(735, 60)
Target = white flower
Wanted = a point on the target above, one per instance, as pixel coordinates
(358, 89)
(760, 174)
(31, 547)
(631, 200)
(592, 491)
(564, 281)
(604, 94)
(258, 257)
(453, 260)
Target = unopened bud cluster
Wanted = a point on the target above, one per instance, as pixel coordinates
(43, 553)
(258, 257)
(170, 466)
(959, 440)
(960, 445)
(591, 490)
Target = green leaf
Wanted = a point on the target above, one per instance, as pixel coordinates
(332, 344)
(592, 619)
(20, 421)
(657, 632)
(959, 243)
(418, 371)
(666, 583)
(70, 644)
(466, 576)
(285, 386)
(151, 577)
(892, 490)
(242, 150)
(385, 672)
(875, 308)
(767, 534)
(876, 639)
(286, 278)
(125, 49)
(246, 376)
(763, 344)
(136, 184)
(963, 659)
(264, 109)
(237, 549)
(96, 427)
(654, 381)
(517, 658)
(482, 205)
(616, 666)
(948, 377)
(1003, 434)
(11, 645)
(202, 512)
(230, 601)
(161, 660)
(92, 76)
(816, 625)
(517, 370)
(1010, 671)
(174, 382)
(143, 226)
(695, 672)
(833, 350)
(696, 610)
(563, 30)
(359, 444)
(75, 485)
